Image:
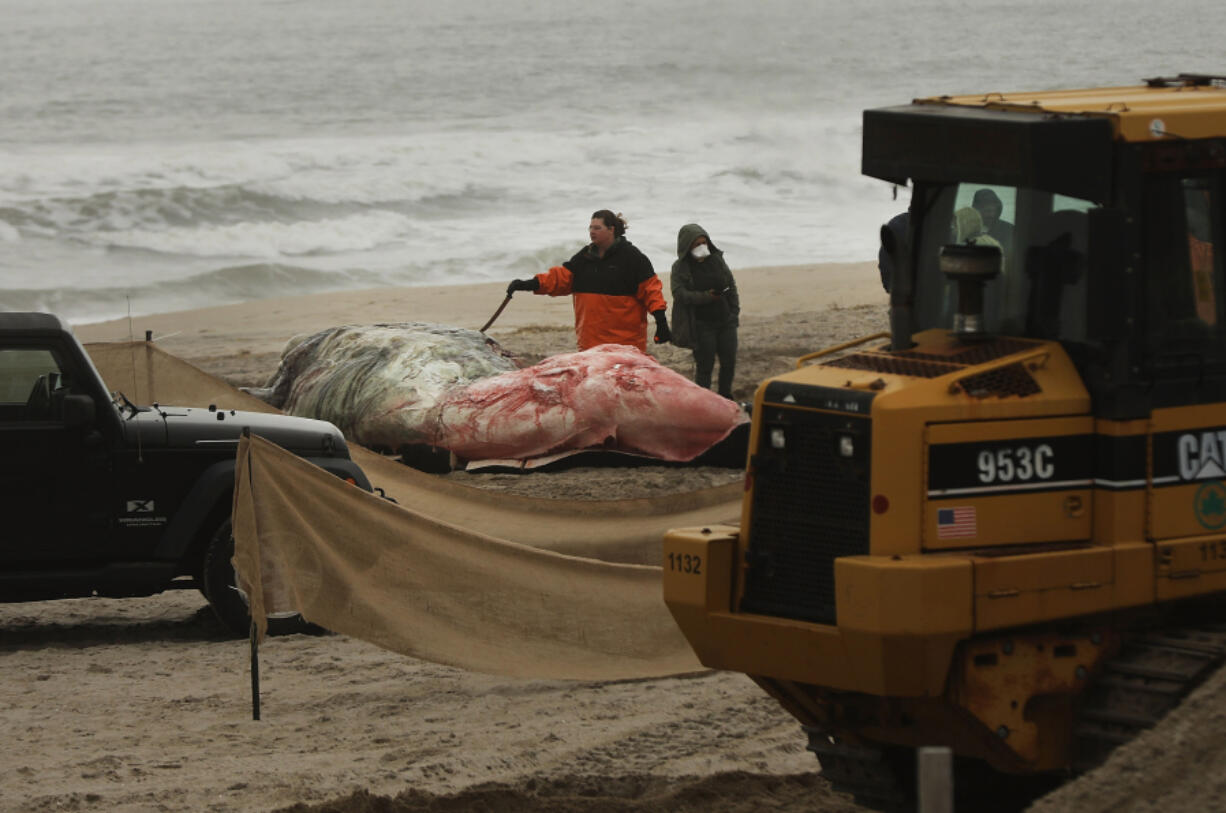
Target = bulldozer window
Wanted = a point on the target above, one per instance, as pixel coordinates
(1185, 273)
(1041, 290)
(1197, 207)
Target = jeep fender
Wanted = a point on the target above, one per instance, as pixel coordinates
(215, 487)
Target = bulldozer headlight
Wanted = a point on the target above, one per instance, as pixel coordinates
(847, 446)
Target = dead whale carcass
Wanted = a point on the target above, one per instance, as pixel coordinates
(379, 383)
(610, 396)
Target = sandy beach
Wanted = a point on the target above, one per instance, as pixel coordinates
(786, 312)
(242, 342)
(144, 704)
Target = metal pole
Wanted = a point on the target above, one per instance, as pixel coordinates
(255, 632)
(935, 770)
(255, 673)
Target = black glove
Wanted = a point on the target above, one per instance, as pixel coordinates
(530, 284)
(663, 334)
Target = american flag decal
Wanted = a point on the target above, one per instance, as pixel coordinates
(956, 522)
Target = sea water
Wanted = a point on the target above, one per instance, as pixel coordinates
(157, 155)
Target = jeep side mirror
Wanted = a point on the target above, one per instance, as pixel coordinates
(79, 411)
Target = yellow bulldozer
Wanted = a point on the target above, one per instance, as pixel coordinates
(1001, 526)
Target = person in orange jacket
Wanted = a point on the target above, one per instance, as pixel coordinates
(612, 285)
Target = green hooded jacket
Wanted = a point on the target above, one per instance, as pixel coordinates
(693, 281)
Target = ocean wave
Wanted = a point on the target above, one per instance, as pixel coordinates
(523, 264)
(105, 186)
(237, 221)
(439, 207)
(217, 287)
(236, 198)
(357, 232)
(71, 196)
(764, 176)
(123, 210)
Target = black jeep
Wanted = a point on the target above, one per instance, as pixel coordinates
(102, 497)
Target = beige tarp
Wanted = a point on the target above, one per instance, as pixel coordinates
(360, 565)
(147, 375)
(613, 530)
(450, 573)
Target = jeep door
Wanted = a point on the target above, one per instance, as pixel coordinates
(54, 482)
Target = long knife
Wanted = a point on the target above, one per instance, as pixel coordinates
(497, 313)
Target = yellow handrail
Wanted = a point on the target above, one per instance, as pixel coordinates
(800, 362)
(1034, 359)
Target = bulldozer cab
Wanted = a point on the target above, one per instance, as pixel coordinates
(1107, 234)
(1042, 291)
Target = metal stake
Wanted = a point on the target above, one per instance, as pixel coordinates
(255, 672)
(936, 779)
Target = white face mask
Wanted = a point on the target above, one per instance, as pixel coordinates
(700, 251)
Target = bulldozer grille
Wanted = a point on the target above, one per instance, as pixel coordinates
(810, 505)
(929, 365)
(918, 368)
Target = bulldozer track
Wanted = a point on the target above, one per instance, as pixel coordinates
(1147, 678)
(872, 776)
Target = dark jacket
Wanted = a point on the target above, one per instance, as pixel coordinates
(694, 280)
(612, 295)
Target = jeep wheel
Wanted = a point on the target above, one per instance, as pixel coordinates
(228, 602)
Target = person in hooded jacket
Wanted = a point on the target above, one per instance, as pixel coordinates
(706, 307)
(612, 285)
(990, 207)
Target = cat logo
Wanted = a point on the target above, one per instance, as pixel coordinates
(1200, 455)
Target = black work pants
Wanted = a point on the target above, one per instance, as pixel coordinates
(712, 340)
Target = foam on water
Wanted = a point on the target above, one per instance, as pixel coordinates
(352, 233)
(424, 207)
(234, 284)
